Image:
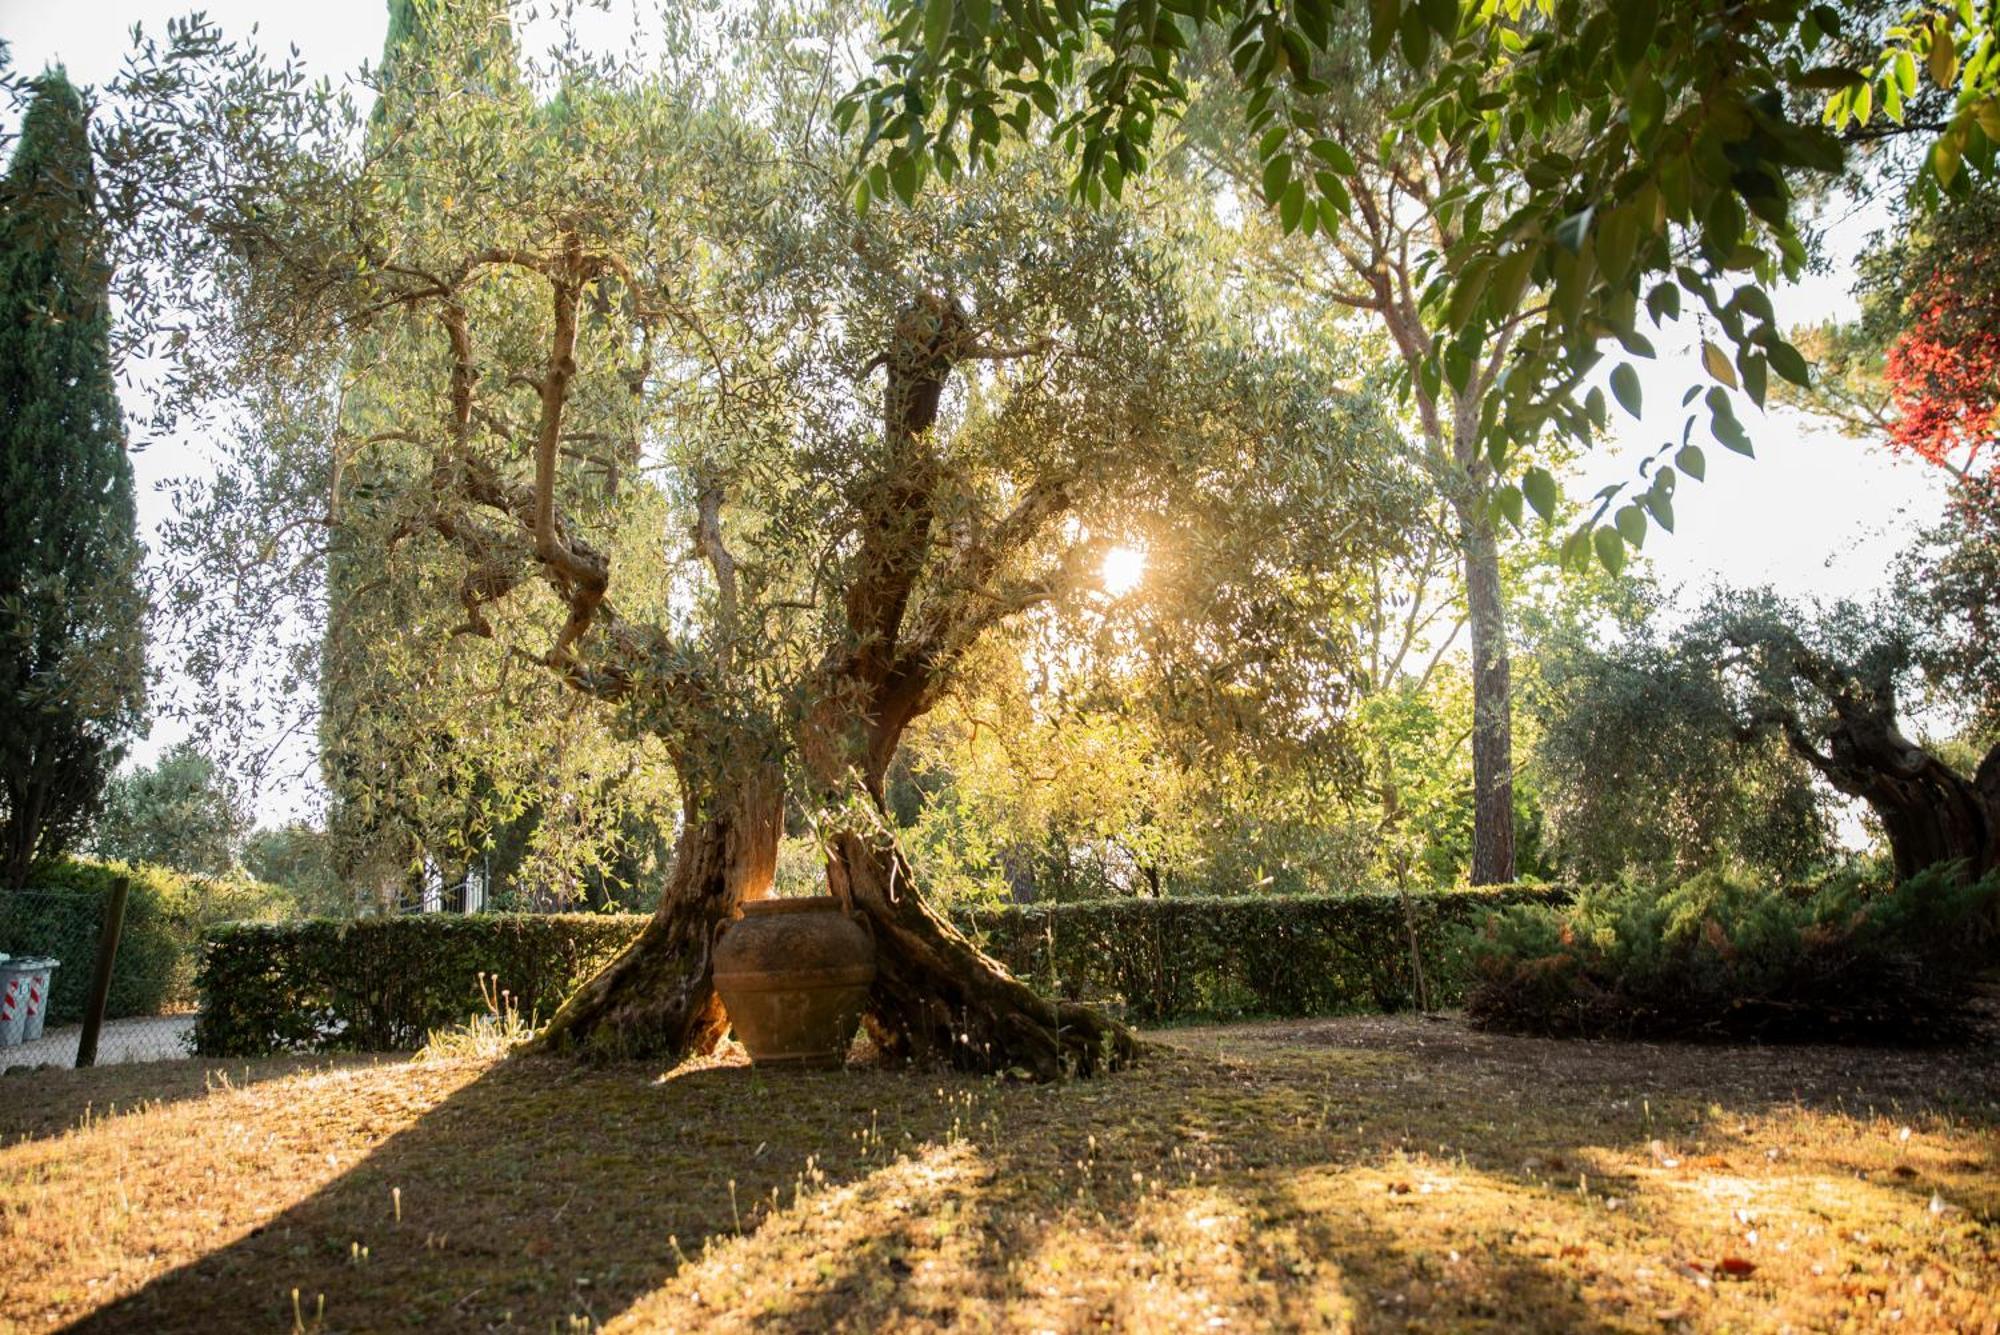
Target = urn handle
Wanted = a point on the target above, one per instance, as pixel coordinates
(715, 936)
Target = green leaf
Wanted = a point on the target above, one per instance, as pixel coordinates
(1314, 16)
(937, 26)
(1755, 381)
(1510, 279)
(1661, 506)
(904, 174)
(1617, 241)
(1466, 292)
(1631, 522)
(1905, 68)
(1787, 362)
(1292, 206)
(1331, 188)
(1663, 303)
(1690, 460)
(1539, 486)
(1610, 549)
(1945, 156)
(1416, 37)
(1277, 175)
(1723, 424)
(1636, 21)
(1625, 385)
(1382, 16)
(1507, 504)
(1829, 78)
(1334, 156)
(1576, 550)
(1943, 58)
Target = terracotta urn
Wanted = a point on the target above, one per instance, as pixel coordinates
(794, 976)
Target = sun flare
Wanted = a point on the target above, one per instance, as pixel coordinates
(1123, 569)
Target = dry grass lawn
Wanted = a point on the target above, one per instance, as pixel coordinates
(1371, 1174)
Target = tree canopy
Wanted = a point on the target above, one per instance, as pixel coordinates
(1625, 158)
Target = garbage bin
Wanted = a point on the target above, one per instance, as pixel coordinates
(40, 987)
(14, 979)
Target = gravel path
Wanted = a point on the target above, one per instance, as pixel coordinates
(148, 1038)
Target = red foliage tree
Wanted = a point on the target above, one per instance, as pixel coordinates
(1943, 373)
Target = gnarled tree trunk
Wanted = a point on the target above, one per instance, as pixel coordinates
(936, 997)
(657, 999)
(1931, 813)
(939, 999)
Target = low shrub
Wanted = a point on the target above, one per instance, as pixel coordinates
(374, 984)
(1714, 957)
(387, 983)
(166, 915)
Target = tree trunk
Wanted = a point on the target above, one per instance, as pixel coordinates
(1931, 813)
(1492, 723)
(657, 998)
(939, 999)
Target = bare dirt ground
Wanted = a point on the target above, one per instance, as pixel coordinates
(1372, 1174)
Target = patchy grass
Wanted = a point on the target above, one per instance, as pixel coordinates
(1367, 1173)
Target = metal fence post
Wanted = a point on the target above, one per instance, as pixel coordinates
(100, 978)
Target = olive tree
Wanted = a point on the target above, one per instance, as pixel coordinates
(868, 441)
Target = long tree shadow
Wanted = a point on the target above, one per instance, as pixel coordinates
(536, 1192)
(1284, 1182)
(36, 1104)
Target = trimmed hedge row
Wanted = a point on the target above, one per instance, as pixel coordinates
(1203, 958)
(384, 983)
(380, 984)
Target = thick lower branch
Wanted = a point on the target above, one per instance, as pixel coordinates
(657, 999)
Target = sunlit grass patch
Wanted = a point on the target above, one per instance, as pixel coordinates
(1363, 1173)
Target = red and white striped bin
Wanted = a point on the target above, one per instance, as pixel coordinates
(14, 986)
(39, 983)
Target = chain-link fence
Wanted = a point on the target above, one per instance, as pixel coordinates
(52, 941)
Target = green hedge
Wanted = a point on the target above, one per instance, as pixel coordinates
(1189, 959)
(166, 915)
(377, 984)
(384, 983)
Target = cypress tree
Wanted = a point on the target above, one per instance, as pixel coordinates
(72, 646)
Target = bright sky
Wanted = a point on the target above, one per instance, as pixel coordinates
(1814, 514)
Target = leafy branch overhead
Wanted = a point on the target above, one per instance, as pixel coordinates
(1623, 160)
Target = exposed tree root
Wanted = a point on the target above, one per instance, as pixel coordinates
(938, 999)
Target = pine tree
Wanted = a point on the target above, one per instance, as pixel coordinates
(72, 648)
